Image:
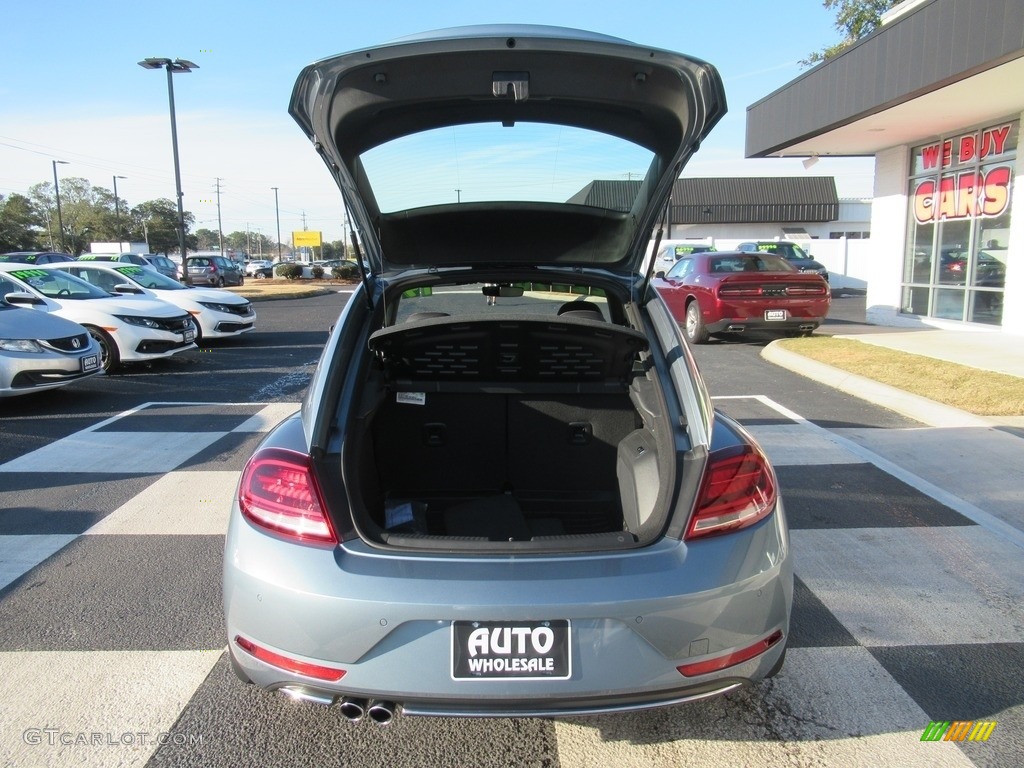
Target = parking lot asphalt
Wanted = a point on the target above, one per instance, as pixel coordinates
(973, 463)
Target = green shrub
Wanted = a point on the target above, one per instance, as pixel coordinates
(317, 272)
(290, 271)
(345, 272)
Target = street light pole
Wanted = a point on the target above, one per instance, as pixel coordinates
(56, 191)
(177, 65)
(277, 212)
(117, 212)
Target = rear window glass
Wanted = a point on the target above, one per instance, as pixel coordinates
(491, 162)
(537, 300)
(753, 262)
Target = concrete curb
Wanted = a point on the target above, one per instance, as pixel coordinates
(914, 406)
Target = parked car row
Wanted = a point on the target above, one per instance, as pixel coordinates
(259, 269)
(213, 270)
(263, 268)
(154, 261)
(78, 318)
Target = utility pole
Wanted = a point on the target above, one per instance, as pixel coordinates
(117, 214)
(56, 192)
(277, 212)
(220, 228)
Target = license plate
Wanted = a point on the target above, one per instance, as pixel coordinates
(500, 650)
(776, 314)
(90, 363)
(190, 334)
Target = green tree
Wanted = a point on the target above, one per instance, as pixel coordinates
(88, 213)
(240, 241)
(207, 239)
(854, 19)
(335, 250)
(19, 224)
(156, 221)
(260, 246)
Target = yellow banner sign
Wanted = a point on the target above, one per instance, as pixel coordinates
(307, 239)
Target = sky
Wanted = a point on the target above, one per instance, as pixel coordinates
(72, 90)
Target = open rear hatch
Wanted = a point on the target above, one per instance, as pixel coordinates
(513, 82)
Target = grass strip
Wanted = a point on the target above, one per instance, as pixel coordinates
(983, 393)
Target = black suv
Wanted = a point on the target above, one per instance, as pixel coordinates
(791, 252)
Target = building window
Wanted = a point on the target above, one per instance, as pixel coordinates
(954, 264)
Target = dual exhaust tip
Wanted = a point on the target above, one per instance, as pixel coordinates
(379, 712)
(352, 709)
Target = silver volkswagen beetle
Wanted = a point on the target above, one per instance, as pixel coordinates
(507, 492)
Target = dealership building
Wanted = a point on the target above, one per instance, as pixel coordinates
(935, 95)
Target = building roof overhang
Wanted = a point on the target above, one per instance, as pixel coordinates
(933, 71)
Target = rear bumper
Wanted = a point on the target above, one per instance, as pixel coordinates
(741, 324)
(386, 619)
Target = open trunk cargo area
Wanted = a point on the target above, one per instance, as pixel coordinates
(503, 432)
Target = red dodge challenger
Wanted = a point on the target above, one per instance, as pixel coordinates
(724, 292)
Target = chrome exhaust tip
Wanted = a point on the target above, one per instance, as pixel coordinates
(353, 709)
(381, 712)
(298, 693)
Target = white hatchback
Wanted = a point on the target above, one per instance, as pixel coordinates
(127, 328)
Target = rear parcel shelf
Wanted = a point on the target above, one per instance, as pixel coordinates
(507, 352)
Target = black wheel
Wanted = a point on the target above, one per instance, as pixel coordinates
(260, 275)
(220, 282)
(110, 357)
(695, 330)
(241, 282)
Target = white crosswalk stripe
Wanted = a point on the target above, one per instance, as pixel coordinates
(111, 646)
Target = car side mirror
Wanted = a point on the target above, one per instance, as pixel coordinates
(23, 299)
(127, 288)
(660, 274)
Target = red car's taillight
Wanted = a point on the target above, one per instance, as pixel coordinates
(278, 492)
(806, 290)
(738, 291)
(738, 490)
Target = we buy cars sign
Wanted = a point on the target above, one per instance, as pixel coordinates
(973, 191)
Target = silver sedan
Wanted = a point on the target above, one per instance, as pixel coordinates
(42, 351)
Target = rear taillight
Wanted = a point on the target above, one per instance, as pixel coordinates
(806, 290)
(737, 291)
(738, 490)
(278, 492)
